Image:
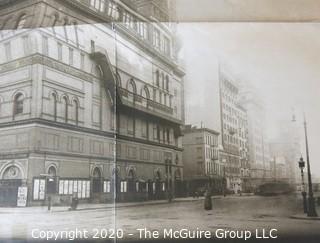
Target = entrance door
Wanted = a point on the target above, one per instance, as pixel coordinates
(9, 192)
(9, 186)
(96, 182)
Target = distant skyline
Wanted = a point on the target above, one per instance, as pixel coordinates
(280, 59)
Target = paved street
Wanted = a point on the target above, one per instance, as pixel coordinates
(233, 212)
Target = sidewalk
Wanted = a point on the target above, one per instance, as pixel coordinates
(90, 206)
(105, 206)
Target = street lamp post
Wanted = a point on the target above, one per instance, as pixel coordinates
(169, 179)
(311, 205)
(303, 191)
(224, 181)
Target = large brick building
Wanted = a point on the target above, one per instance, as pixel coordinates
(91, 99)
(202, 168)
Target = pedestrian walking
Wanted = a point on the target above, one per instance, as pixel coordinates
(207, 200)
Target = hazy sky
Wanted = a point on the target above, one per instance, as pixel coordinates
(247, 10)
(282, 60)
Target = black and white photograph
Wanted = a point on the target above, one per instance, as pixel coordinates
(160, 121)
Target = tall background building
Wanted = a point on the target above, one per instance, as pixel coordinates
(257, 140)
(234, 133)
(91, 101)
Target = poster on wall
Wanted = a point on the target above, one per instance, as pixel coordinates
(22, 196)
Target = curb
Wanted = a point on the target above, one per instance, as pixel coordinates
(107, 206)
(136, 205)
(304, 217)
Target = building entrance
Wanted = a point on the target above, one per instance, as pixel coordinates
(9, 192)
(9, 185)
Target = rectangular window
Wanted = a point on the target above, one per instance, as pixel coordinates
(156, 38)
(93, 46)
(166, 45)
(39, 186)
(130, 125)
(25, 42)
(106, 186)
(82, 56)
(7, 47)
(143, 29)
(128, 20)
(123, 186)
(144, 129)
(60, 52)
(131, 152)
(113, 10)
(80, 187)
(45, 48)
(98, 4)
(155, 132)
(70, 56)
(199, 153)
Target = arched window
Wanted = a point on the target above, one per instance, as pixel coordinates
(54, 105)
(145, 92)
(76, 111)
(13, 172)
(65, 108)
(21, 22)
(51, 180)
(18, 104)
(132, 86)
(146, 95)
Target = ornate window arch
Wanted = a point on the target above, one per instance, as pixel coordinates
(118, 79)
(21, 21)
(52, 170)
(131, 86)
(12, 172)
(145, 92)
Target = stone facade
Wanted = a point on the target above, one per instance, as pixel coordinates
(91, 102)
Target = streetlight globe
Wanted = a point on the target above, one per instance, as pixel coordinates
(301, 163)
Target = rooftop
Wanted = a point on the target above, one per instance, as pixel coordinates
(194, 129)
